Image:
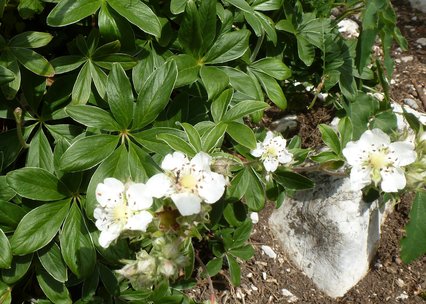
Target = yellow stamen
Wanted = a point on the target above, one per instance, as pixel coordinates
(188, 182)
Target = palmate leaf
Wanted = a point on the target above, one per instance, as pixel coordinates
(414, 244)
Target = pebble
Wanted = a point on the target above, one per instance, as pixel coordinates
(291, 297)
(400, 283)
(264, 275)
(411, 103)
(254, 288)
(402, 296)
(269, 251)
(254, 216)
(407, 58)
(421, 41)
(288, 122)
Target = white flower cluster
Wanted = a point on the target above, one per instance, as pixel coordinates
(125, 206)
(374, 158)
(272, 151)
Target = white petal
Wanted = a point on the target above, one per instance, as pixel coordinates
(258, 151)
(285, 157)
(202, 161)
(187, 203)
(353, 152)
(173, 162)
(375, 136)
(139, 221)
(160, 185)
(107, 236)
(271, 164)
(212, 187)
(393, 180)
(269, 136)
(359, 178)
(102, 218)
(404, 152)
(109, 192)
(138, 196)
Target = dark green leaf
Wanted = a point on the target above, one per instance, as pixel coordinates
(10, 216)
(76, 244)
(37, 184)
(38, 227)
(413, 245)
(273, 67)
(220, 104)
(227, 47)
(214, 266)
(71, 11)
(109, 280)
(386, 121)
(272, 89)
(51, 259)
(345, 130)
(54, 290)
(92, 117)
(87, 152)
(177, 143)
(34, 62)
(193, 136)
(40, 154)
(6, 193)
(82, 85)
(214, 80)
(177, 6)
(30, 40)
(292, 180)
(8, 60)
(330, 138)
(139, 14)
(190, 36)
(254, 197)
(244, 108)
(120, 96)
(214, 137)
(234, 270)
(6, 252)
(244, 252)
(242, 134)
(66, 64)
(6, 75)
(19, 267)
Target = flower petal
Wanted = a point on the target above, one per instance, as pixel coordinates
(270, 164)
(110, 192)
(404, 152)
(201, 161)
(355, 153)
(187, 203)
(107, 236)
(393, 180)
(359, 178)
(139, 221)
(212, 187)
(175, 161)
(269, 136)
(374, 137)
(160, 185)
(138, 196)
(284, 156)
(258, 151)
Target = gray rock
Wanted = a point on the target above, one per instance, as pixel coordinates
(330, 233)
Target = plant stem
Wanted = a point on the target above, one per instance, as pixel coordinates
(18, 118)
(257, 47)
(209, 280)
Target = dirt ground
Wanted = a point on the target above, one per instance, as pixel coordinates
(389, 280)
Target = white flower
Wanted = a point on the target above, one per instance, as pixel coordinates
(272, 151)
(188, 182)
(375, 159)
(121, 207)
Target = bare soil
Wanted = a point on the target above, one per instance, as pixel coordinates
(389, 280)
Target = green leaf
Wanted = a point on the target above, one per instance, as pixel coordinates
(228, 47)
(214, 266)
(234, 270)
(71, 11)
(19, 267)
(106, 61)
(177, 6)
(188, 68)
(177, 143)
(92, 117)
(155, 94)
(54, 290)
(273, 67)
(325, 156)
(244, 252)
(6, 193)
(6, 75)
(120, 95)
(239, 184)
(87, 152)
(38, 227)
(82, 86)
(247, 87)
(148, 64)
(76, 244)
(37, 184)
(51, 259)
(40, 154)
(149, 140)
(242, 134)
(27, 8)
(292, 180)
(139, 14)
(10, 216)
(254, 196)
(305, 50)
(30, 40)
(33, 62)
(90, 285)
(214, 80)
(5, 291)
(242, 234)
(99, 79)
(242, 5)
(207, 12)
(413, 245)
(386, 121)
(220, 104)
(64, 131)
(330, 138)
(345, 130)
(6, 251)
(213, 138)
(189, 34)
(244, 108)
(109, 280)
(272, 89)
(193, 136)
(9, 61)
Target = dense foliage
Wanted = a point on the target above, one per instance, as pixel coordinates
(157, 106)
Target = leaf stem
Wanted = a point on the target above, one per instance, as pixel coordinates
(257, 47)
(19, 122)
(209, 280)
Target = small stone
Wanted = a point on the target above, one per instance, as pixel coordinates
(291, 297)
(403, 296)
(400, 283)
(392, 81)
(411, 103)
(398, 60)
(249, 275)
(254, 216)
(253, 287)
(269, 251)
(288, 270)
(407, 58)
(288, 122)
(264, 275)
(421, 41)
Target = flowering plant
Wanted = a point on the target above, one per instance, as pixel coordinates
(135, 149)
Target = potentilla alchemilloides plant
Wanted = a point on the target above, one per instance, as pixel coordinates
(135, 149)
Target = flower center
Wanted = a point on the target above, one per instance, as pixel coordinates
(271, 151)
(188, 181)
(120, 213)
(378, 160)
